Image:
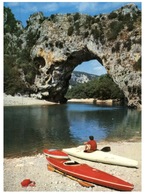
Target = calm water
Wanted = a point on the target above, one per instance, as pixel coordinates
(30, 129)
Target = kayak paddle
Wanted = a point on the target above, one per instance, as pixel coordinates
(81, 182)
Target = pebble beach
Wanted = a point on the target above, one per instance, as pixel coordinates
(9, 100)
(35, 169)
(15, 170)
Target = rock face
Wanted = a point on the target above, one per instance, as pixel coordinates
(65, 41)
(78, 77)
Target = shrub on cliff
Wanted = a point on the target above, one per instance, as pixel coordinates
(112, 15)
(137, 65)
(70, 31)
(10, 23)
(114, 28)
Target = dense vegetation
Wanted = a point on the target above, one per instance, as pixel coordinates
(17, 60)
(12, 81)
(101, 88)
(10, 23)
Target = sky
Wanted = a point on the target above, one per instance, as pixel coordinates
(23, 10)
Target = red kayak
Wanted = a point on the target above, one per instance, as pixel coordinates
(89, 174)
(55, 153)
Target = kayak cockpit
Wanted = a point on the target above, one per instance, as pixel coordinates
(71, 162)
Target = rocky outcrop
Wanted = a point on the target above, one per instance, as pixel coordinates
(65, 41)
(78, 77)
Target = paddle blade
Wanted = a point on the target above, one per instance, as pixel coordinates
(81, 182)
(50, 168)
(85, 184)
(106, 149)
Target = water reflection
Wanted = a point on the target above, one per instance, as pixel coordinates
(30, 129)
(105, 123)
(129, 127)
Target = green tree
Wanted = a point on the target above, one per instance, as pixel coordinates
(10, 23)
(101, 88)
(15, 58)
(12, 81)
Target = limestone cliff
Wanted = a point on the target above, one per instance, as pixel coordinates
(64, 41)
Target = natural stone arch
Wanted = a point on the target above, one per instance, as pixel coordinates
(63, 49)
(60, 74)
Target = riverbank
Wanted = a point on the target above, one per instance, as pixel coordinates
(35, 168)
(93, 101)
(23, 101)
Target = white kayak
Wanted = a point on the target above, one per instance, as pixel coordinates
(100, 156)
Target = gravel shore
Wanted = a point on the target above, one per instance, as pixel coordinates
(35, 168)
(23, 101)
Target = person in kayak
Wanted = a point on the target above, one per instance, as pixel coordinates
(91, 145)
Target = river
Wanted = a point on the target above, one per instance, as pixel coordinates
(30, 129)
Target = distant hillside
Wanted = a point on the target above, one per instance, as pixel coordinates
(81, 77)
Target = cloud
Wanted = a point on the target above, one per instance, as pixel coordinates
(97, 68)
(100, 7)
(111, 5)
(43, 7)
(12, 4)
(49, 7)
(33, 7)
(92, 67)
(86, 6)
